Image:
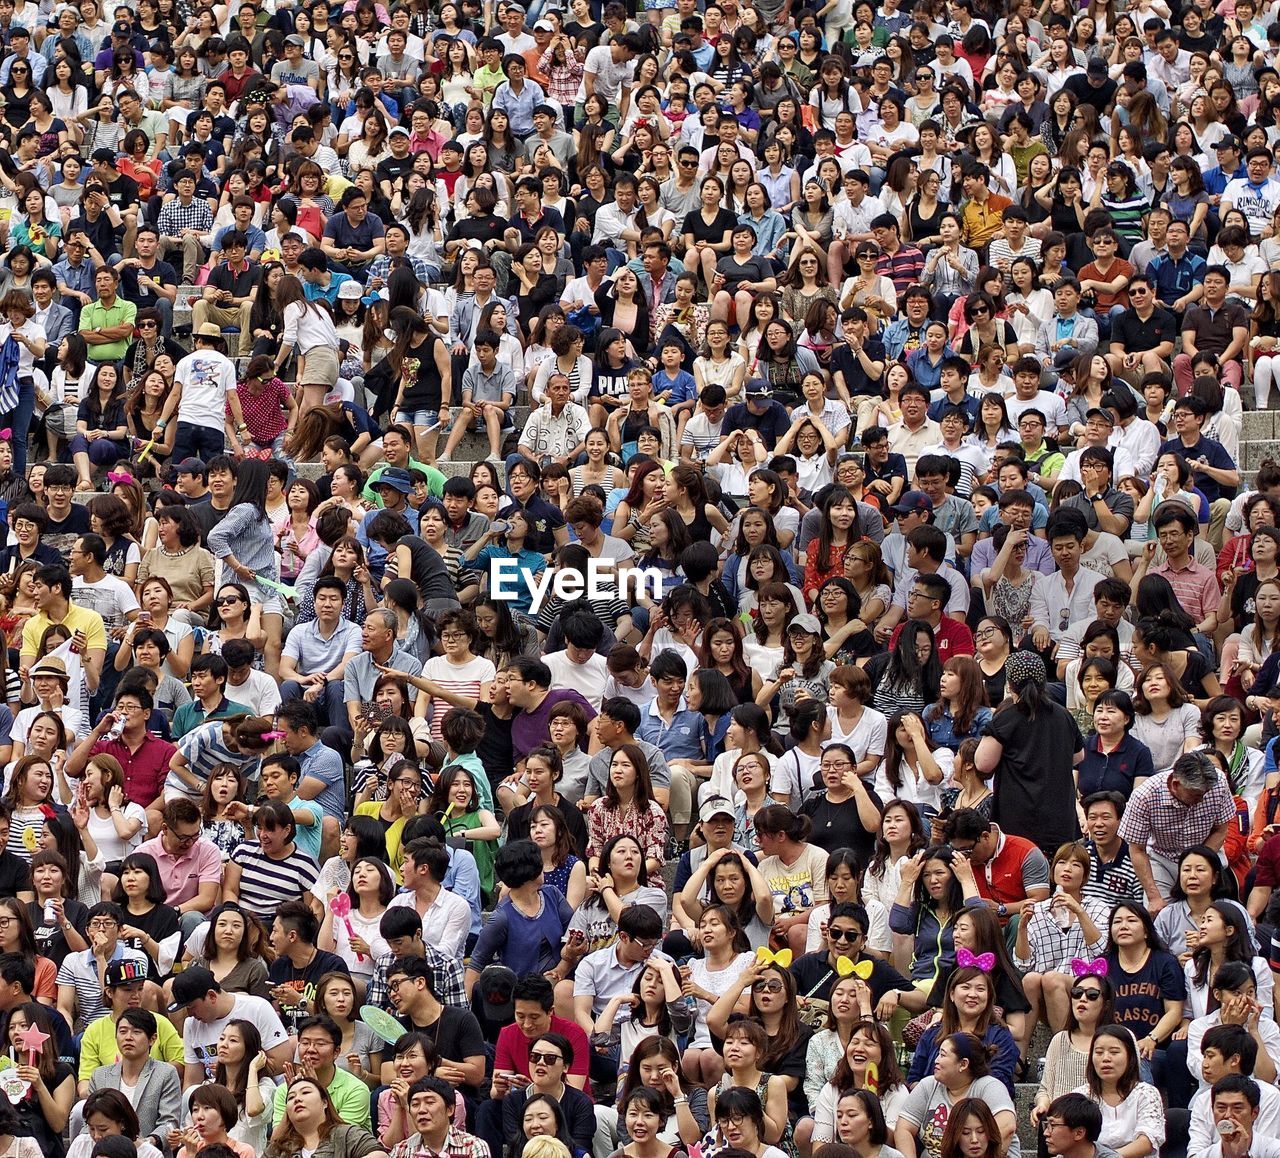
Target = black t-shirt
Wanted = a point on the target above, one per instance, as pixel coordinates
(457, 1036)
(857, 381)
(816, 978)
(429, 573)
(207, 516)
(143, 296)
(495, 750)
(715, 232)
(15, 875)
(161, 922)
(1100, 97)
(544, 521)
(101, 232)
(241, 282)
(1009, 994)
(123, 192)
(394, 169)
(1134, 336)
(518, 823)
(1035, 794)
(31, 1120)
(61, 536)
(283, 972)
(585, 34)
(838, 826)
(488, 228)
(51, 942)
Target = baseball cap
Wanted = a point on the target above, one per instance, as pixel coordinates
(912, 501)
(1101, 412)
(758, 388)
(544, 26)
(122, 28)
(192, 466)
(805, 622)
(398, 131)
(715, 806)
(191, 985)
(125, 972)
(294, 39)
(350, 291)
(1230, 141)
(396, 477)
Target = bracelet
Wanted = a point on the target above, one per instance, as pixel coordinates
(680, 1101)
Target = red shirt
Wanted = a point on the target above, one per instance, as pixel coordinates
(144, 770)
(512, 1054)
(1002, 878)
(950, 637)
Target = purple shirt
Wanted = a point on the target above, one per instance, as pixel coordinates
(529, 729)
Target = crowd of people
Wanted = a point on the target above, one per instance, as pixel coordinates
(639, 580)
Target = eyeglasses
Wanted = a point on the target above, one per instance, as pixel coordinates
(5, 922)
(1089, 994)
(103, 923)
(835, 765)
(544, 1059)
(849, 935)
(454, 636)
(146, 325)
(228, 600)
(184, 838)
(771, 986)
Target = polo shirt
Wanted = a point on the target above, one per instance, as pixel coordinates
(184, 874)
(602, 977)
(192, 715)
(98, 1045)
(241, 282)
(324, 764)
(903, 267)
(144, 770)
(1212, 329)
(1207, 448)
(1112, 881)
(981, 221)
(681, 739)
(311, 652)
(1117, 502)
(1195, 585)
(349, 1094)
(1017, 866)
(1175, 277)
(95, 316)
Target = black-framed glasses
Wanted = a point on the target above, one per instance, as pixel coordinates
(849, 935)
(228, 600)
(1089, 994)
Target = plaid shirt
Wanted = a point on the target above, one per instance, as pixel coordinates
(449, 989)
(175, 217)
(1156, 820)
(1052, 948)
(457, 1144)
(381, 267)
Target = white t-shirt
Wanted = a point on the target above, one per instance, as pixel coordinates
(587, 678)
(206, 378)
(200, 1038)
(609, 75)
(110, 597)
(103, 831)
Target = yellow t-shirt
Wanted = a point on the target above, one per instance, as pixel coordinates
(77, 619)
(98, 1046)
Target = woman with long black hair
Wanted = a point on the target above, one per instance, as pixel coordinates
(1032, 745)
(909, 675)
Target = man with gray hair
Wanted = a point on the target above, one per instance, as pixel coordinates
(1191, 804)
(378, 639)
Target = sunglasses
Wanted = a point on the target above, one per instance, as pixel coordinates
(228, 600)
(767, 986)
(1089, 994)
(544, 1059)
(849, 935)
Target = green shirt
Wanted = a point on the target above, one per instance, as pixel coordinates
(192, 715)
(435, 481)
(487, 80)
(349, 1094)
(98, 1045)
(95, 317)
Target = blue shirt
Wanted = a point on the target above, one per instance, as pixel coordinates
(463, 879)
(523, 944)
(1175, 278)
(683, 387)
(515, 585)
(1214, 453)
(326, 765)
(679, 740)
(314, 292)
(257, 240)
(75, 277)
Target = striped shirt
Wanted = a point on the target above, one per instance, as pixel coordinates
(265, 884)
(1111, 881)
(459, 679)
(204, 747)
(81, 970)
(903, 267)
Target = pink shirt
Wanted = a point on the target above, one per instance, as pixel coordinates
(183, 875)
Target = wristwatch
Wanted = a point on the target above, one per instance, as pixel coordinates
(1002, 911)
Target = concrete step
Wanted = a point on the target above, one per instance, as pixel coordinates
(1257, 424)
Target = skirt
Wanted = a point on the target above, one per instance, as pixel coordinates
(321, 367)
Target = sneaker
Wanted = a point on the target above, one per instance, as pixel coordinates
(495, 458)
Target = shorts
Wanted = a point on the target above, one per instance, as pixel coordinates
(418, 417)
(321, 367)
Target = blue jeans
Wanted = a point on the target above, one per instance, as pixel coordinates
(330, 703)
(20, 421)
(198, 441)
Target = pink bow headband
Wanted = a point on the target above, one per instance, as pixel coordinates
(6, 434)
(982, 961)
(1095, 968)
(273, 735)
(119, 476)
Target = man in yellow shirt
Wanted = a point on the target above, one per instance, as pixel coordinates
(53, 604)
(122, 988)
(982, 218)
